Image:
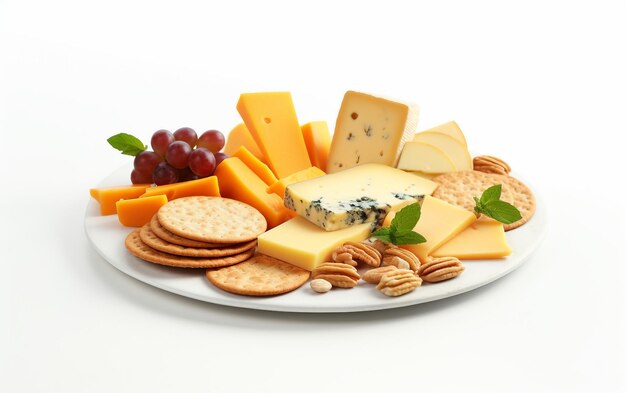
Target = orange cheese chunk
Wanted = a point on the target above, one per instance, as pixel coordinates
(258, 167)
(484, 239)
(439, 222)
(109, 195)
(237, 181)
(272, 121)
(317, 140)
(279, 186)
(138, 212)
(240, 136)
(207, 186)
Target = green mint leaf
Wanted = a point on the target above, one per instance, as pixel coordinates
(502, 211)
(405, 220)
(127, 144)
(383, 234)
(409, 238)
(491, 194)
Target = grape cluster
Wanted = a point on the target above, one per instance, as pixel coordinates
(178, 157)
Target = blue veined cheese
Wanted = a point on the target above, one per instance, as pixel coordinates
(370, 129)
(362, 194)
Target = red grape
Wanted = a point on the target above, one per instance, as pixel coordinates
(137, 177)
(212, 140)
(161, 139)
(177, 154)
(186, 134)
(145, 162)
(164, 173)
(186, 174)
(219, 157)
(202, 162)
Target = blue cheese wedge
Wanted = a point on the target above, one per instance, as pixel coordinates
(362, 194)
(370, 129)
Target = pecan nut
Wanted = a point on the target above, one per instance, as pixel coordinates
(398, 282)
(378, 244)
(401, 258)
(440, 269)
(491, 164)
(340, 275)
(353, 252)
(373, 275)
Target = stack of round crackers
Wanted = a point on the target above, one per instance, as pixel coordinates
(199, 232)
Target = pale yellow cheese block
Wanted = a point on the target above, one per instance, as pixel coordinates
(455, 150)
(426, 158)
(306, 245)
(438, 223)
(484, 239)
(450, 128)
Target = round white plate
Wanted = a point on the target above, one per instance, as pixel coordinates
(108, 235)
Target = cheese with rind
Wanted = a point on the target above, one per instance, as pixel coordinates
(370, 129)
(362, 194)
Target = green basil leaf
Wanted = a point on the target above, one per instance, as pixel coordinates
(502, 211)
(127, 144)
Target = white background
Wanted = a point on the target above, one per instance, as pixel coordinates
(541, 84)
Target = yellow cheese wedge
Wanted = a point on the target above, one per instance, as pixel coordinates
(438, 223)
(258, 167)
(240, 136)
(239, 182)
(279, 186)
(370, 129)
(306, 245)
(484, 239)
(206, 186)
(455, 150)
(317, 140)
(272, 121)
(426, 158)
(450, 128)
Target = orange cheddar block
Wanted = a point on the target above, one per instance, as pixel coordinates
(257, 166)
(207, 186)
(240, 136)
(109, 195)
(279, 186)
(239, 182)
(138, 212)
(317, 140)
(272, 121)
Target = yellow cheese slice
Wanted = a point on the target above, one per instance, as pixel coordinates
(240, 136)
(426, 158)
(450, 128)
(306, 245)
(455, 150)
(272, 121)
(438, 223)
(317, 140)
(279, 186)
(484, 239)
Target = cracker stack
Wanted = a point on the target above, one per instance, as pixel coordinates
(199, 232)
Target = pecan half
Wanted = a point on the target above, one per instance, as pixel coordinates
(373, 275)
(398, 282)
(353, 252)
(395, 257)
(440, 269)
(338, 274)
(491, 164)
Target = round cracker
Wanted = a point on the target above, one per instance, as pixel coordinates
(260, 275)
(139, 249)
(169, 237)
(459, 188)
(212, 219)
(153, 241)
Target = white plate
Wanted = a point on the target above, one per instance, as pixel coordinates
(107, 235)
